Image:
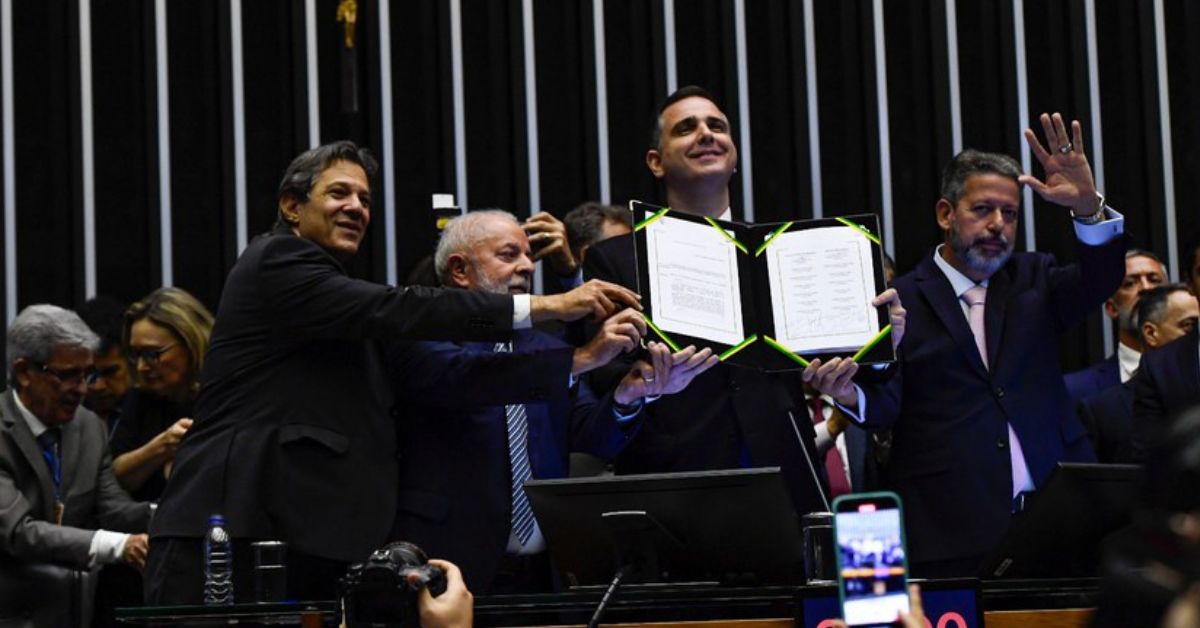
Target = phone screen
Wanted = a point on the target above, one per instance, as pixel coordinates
(872, 565)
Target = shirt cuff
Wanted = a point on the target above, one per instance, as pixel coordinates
(107, 547)
(1112, 226)
(623, 417)
(521, 318)
(856, 416)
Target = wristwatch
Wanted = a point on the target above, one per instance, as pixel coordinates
(1093, 219)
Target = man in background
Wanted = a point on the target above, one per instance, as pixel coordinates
(1166, 313)
(1143, 270)
(593, 222)
(105, 316)
(61, 508)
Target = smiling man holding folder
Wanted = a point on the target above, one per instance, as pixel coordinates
(729, 417)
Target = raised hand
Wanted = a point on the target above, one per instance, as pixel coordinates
(1069, 179)
(548, 237)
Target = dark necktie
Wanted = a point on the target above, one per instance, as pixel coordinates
(839, 484)
(50, 442)
(518, 458)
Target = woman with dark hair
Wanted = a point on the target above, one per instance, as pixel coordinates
(165, 336)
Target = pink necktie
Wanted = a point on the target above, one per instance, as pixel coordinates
(975, 298)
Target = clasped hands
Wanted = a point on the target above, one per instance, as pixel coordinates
(659, 373)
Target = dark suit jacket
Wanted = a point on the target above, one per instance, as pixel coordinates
(1108, 418)
(294, 439)
(950, 414)
(728, 417)
(1085, 382)
(1167, 383)
(92, 497)
(455, 477)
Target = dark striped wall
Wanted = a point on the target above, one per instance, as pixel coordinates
(143, 139)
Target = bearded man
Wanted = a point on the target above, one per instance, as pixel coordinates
(978, 407)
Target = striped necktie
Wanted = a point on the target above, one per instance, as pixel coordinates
(518, 457)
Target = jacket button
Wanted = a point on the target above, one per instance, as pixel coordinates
(999, 392)
(1000, 444)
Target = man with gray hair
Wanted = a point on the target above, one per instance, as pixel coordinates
(59, 501)
(485, 417)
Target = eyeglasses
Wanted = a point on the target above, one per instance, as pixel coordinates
(70, 377)
(150, 354)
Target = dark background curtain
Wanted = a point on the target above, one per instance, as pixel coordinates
(48, 107)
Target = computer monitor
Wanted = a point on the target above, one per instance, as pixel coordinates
(730, 527)
(1061, 528)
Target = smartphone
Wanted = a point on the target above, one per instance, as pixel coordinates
(872, 560)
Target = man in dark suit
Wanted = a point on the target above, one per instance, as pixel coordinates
(1143, 271)
(294, 439)
(978, 408)
(459, 471)
(729, 417)
(1165, 314)
(60, 505)
(1168, 383)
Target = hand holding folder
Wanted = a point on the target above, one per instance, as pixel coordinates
(768, 296)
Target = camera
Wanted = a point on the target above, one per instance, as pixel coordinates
(382, 591)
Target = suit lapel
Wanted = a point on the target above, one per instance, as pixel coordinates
(999, 287)
(938, 292)
(29, 447)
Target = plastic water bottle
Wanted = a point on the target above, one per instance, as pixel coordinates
(218, 563)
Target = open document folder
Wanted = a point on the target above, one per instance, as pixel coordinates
(768, 296)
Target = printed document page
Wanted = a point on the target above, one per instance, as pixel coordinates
(822, 283)
(694, 284)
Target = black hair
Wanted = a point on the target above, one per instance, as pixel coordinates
(972, 162)
(687, 91)
(307, 167)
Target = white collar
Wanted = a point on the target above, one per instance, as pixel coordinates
(1128, 361)
(35, 425)
(960, 282)
(726, 215)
